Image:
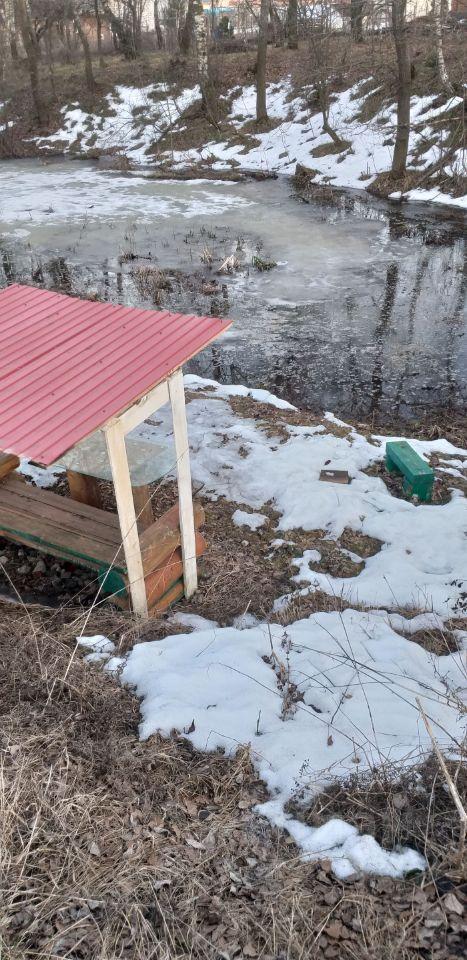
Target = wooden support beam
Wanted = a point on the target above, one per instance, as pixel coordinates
(185, 497)
(84, 489)
(8, 462)
(115, 439)
(143, 506)
(143, 407)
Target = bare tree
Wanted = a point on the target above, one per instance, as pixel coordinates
(89, 76)
(23, 19)
(122, 31)
(157, 26)
(292, 24)
(261, 59)
(437, 18)
(188, 29)
(356, 19)
(322, 60)
(97, 14)
(8, 50)
(404, 84)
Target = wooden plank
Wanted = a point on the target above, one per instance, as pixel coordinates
(8, 462)
(163, 536)
(64, 552)
(187, 526)
(57, 516)
(115, 439)
(335, 476)
(161, 579)
(143, 507)
(84, 489)
(173, 594)
(45, 503)
(144, 407)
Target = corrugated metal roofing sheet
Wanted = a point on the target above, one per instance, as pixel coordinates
(67, 365)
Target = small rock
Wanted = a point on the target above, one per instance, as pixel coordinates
(24, 569)
(39, 568)
(3, 560)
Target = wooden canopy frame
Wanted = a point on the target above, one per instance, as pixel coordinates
(69, 367)
(115, 430)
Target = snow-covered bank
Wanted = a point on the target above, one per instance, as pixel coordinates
(134, 121)
(337, 691)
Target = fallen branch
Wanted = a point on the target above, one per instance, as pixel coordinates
(450, 782)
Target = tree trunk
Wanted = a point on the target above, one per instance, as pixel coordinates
(87, 53)
(401, 42)
(26, 31)
(202, 59)
(7, 32)
(188, 29)
(261, 108)
(437, 17)
(97, 14)
(120, 32)
(356, 20)
(292, 25)
(201, 36)
(157, 26)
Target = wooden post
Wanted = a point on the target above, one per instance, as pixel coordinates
(84, 489)
(143, 506)
(115, 439)
(185, 499)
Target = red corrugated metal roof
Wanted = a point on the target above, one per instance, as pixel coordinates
(68, 365)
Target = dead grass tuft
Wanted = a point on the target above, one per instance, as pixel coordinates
(116, 848)
(399, 807)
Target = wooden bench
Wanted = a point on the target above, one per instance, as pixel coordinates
(91, 537)
(418, 475)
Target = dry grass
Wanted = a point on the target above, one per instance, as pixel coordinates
(116, 848)
(400, 807)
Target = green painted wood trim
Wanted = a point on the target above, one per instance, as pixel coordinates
(68, 554)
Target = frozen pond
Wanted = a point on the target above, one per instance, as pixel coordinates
(363, 314)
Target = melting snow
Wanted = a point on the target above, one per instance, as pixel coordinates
(336, 692)
(134, 119)
(252, 520)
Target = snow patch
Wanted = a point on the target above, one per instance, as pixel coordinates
(252, 520)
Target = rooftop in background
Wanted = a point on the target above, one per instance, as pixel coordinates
(67, 366)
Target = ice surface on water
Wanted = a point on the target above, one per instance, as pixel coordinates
(65, 192)
(360, 314)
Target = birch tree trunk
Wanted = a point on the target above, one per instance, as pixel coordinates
(401, 42)
(202, 59)
(201, 41)
(437, 18)
(261, 108)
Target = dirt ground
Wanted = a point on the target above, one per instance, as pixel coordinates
(116, 848)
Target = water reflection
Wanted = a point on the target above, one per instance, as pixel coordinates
(364, 314)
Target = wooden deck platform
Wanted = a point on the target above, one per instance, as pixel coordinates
(91, 537)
